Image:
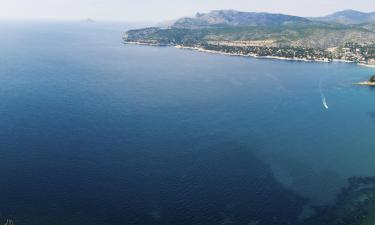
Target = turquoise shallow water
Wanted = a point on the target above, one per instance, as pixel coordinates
(97, 132)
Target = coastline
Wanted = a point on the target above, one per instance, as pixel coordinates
(252, 55)
(366, 65)
(366, 83)
(248, 55)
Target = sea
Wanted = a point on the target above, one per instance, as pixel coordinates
(95, 131)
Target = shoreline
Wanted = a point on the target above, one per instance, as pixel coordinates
(366, 83)
(366, 65)
(253, 55)
(248, 55)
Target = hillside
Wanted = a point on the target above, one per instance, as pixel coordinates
(250, 33)
(222, 18)
(241, 26)
(348, 17)
(306, 36)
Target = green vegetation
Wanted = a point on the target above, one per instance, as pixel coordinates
(313, 36)
(266, 34)
(283, 52)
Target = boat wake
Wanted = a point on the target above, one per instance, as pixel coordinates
(324, 100)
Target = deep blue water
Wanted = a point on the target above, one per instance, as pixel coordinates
(93, 131)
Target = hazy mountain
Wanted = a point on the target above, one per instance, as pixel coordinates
(88, 20)
(278, 29)
(349, 17)
(219, 18)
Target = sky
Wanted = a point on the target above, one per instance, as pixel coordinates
(162, 10)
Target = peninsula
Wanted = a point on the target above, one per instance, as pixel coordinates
(370, 82)
(341, 36)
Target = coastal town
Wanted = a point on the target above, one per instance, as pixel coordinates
(354, 52)
(350, 52)
(363, 54)
(296, 53)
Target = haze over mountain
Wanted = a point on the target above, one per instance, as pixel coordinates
(349, 17)
(277, 29)
(236, 18)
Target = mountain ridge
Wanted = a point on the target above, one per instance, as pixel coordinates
(281, 29)
(348, 17)
(219, 18)
(269, 34)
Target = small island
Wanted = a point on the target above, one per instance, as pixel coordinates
(370, 82)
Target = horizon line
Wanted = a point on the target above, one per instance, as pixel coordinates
(112, 20)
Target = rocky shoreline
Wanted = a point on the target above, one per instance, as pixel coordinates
(366, 83)
(370, 82)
